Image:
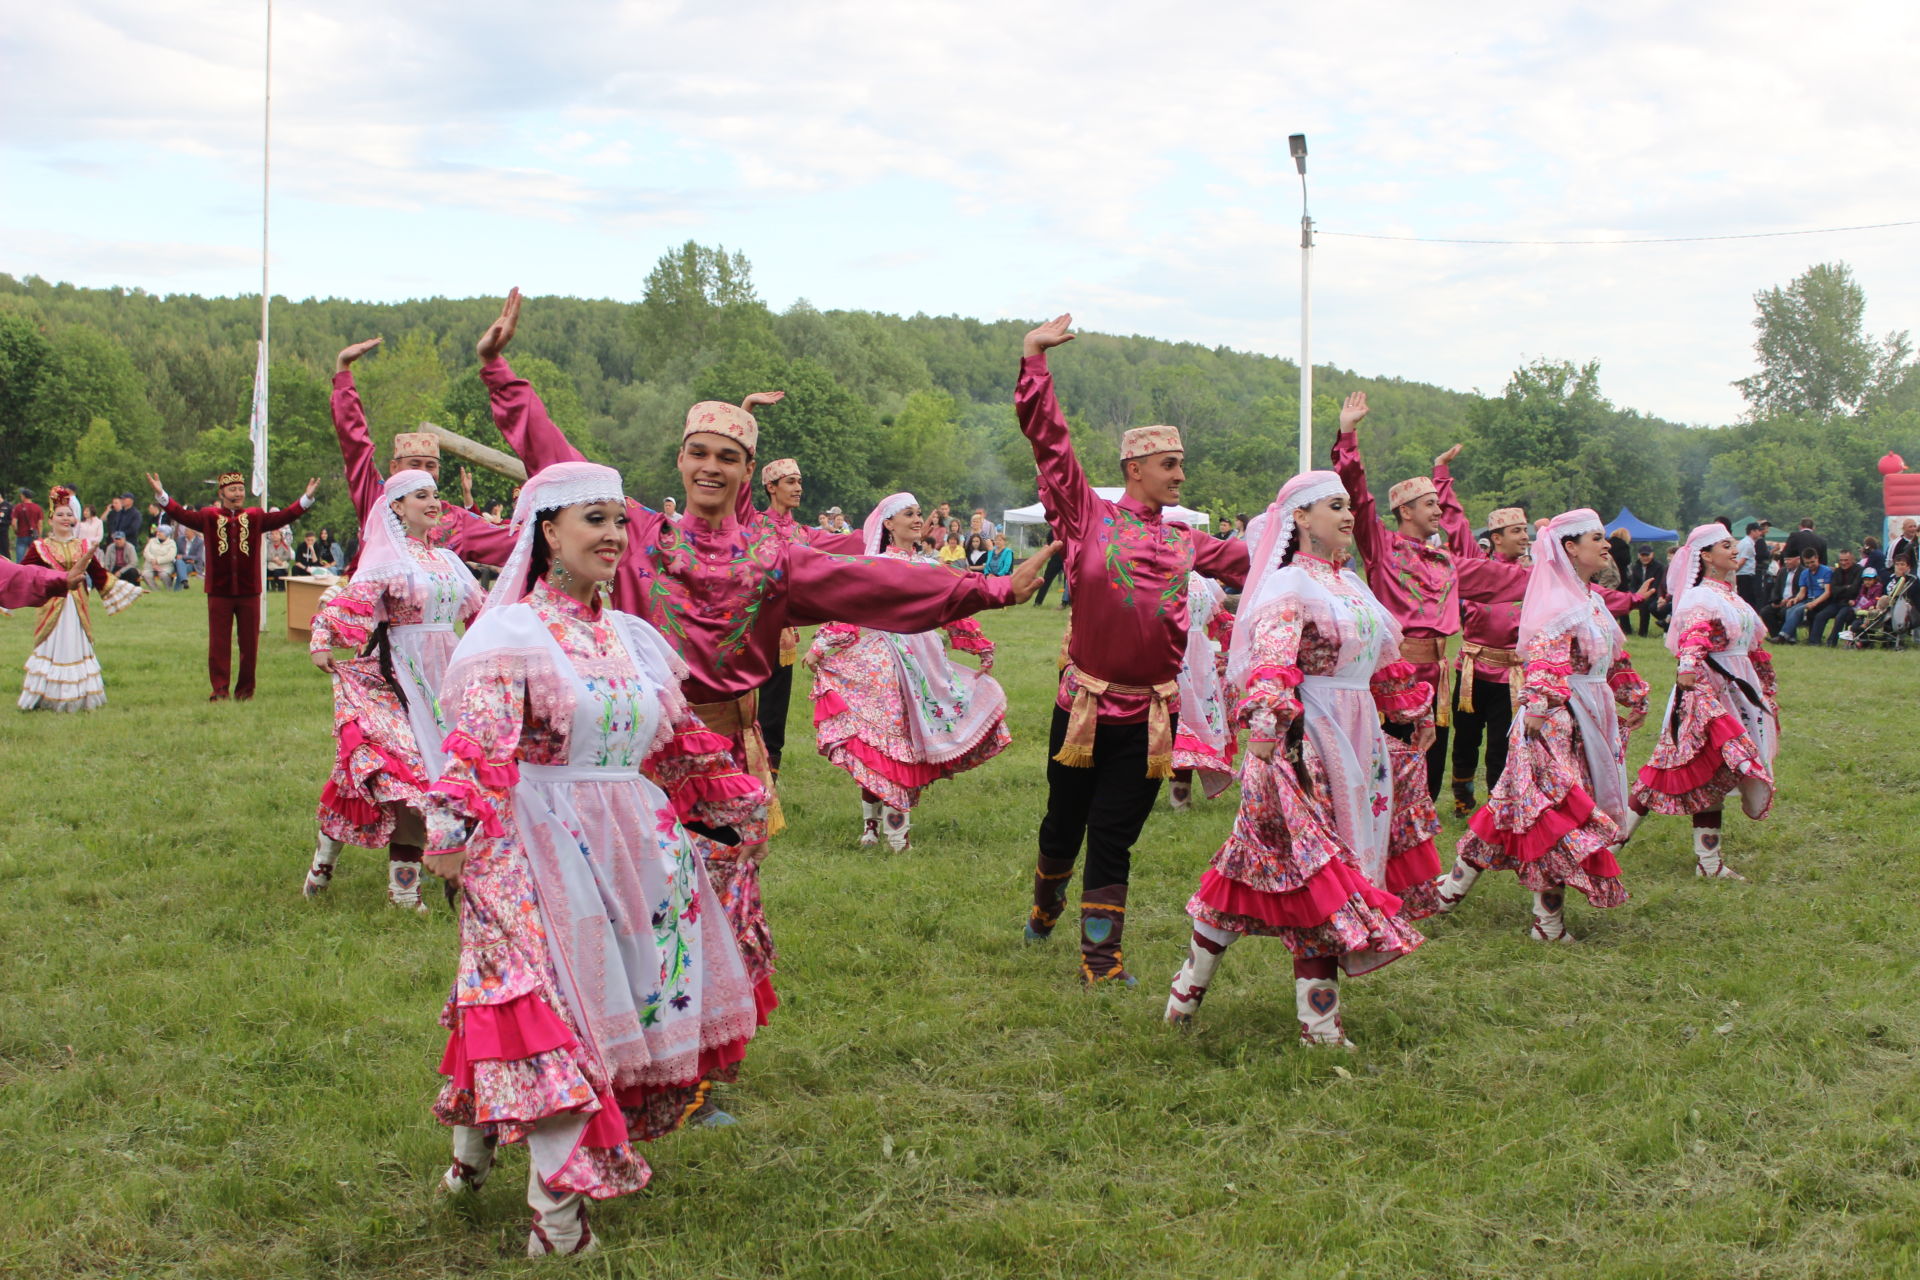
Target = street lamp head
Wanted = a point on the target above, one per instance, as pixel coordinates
(1297, 148)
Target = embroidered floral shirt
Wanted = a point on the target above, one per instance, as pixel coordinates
(722, 593)
(1127, 566)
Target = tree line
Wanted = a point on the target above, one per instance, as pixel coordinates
(100, 385)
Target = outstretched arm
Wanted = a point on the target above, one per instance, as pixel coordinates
(1453, 517)
(288, 514)
(1064, 489)
(350, 428)
(524, 421)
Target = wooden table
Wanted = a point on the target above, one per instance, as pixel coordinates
(303, 598)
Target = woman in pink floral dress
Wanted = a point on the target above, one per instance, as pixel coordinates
(1722, 727)
(1555, 816)
(599, 989)
(893, 710)
(1204, 740)
(1335, 823)
(397, 616)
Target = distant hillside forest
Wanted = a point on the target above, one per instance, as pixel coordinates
(100, 385)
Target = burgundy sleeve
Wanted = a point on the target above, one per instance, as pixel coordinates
(840, 544)
(478, 539)
(1485, 580)
(1453, 519)
(194, 520)
(524, 421)
(1369, 535)
(884, 592)
(280, 517)
(27, 584)
(1064, 490)
(1619, 603)
(1225, 560)
(364, 484)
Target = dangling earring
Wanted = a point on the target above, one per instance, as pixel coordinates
(559, 576)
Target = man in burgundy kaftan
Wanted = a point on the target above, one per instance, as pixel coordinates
(1113, 719)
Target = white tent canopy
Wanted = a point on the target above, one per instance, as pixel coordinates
(1037, 514)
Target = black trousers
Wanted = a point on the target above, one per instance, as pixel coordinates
(1047, 575)
(775, 696)
(1646, 609)
(1747, 587)
(1104, 806)
(1491, 717)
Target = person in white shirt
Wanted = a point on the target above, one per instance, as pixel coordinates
(1746, 573)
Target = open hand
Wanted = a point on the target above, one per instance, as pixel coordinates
(324, 660)
(1447, 457)
(1053, 333)
(77, 576)
(466, 487)
(1686, 679)
(349, 354)
(1263, 748)
(446, 865)
(312, 485)
(1536, 726)
(501, 331)
(159, 490)
(1423, 737)
(1353, 410)
(1026, 576)
(1633, 719)
(760, 399)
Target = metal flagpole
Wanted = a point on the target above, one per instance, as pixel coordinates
(1297, 145)
(259, 423)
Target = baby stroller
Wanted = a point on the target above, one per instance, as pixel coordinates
(1891, 622)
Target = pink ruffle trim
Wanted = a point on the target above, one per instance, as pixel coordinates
(1416, 866)
(1308, 907)
(351, 604)
(1697, 772)
(502, 775)
(911, 776)
(1625, 679)
(827, 704)
(702, 788)
(1288, 676)
(1549, 829)
(701, 742)
(1396, 671)
(1412, 700)
(356, 808)
(474, 802)
(764, 1001)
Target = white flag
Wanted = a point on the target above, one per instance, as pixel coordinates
(257, 424)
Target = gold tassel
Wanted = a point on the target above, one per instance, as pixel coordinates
(1160, 766)
(1076, 757)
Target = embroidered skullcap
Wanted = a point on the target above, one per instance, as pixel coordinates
(416, 444)
(229, 477)
(779, 469)
(717, 417)
(1142, 442)
(1410, 491)
(1507, 517)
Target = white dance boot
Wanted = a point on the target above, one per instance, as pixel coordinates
(403, 886)
(1549, 920)
(1706, 856)
(869, 823)
(559, 1222)
(1317, 1001)
(1204, 950)
(325, 853)
(1180, 794)
(473, 1150)
(899, 830)
(1628, 825)
(1754, 796)
(1454, 886)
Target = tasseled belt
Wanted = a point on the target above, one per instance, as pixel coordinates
(1487, 655)
(1433, 650)
(1083, 716)
(740, 718)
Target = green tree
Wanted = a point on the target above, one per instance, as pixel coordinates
(1815, 357)
(27, 441)
(820, 424)
(98, 467)
(699, 303)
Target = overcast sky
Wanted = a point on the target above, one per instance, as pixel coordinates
(1125, 161)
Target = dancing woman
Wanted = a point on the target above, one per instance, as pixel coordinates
(1722, 727)
(1554, 817)
(1204, 740)
(893, 710)
(62, 673)
(599, 989)
(1335, 821)
(398, 616)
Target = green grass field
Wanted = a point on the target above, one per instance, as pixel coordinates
(203, 1075)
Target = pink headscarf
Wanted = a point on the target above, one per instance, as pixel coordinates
(875, 528)
(383, 539)
(564, 484)
(1685, 567)
(1556, 599)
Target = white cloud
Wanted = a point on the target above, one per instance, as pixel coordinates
(1124, 158)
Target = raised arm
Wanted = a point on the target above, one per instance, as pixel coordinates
(524, 421)
(194, 520)
(1369, 534)
(1064, 489)
(1453, 517)
(286, 515)
(350, 428)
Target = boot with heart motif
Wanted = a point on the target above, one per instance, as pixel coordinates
(1103, 918)
(1317, 1002)
(1204, 950)
(1549, 924)
(1706, 849)
(559, 1222)
(869, 823)
(473, 1150)
(899, 829)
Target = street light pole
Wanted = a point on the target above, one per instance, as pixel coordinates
(1297, 145)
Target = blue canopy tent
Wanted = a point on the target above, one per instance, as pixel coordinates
(1639, 530)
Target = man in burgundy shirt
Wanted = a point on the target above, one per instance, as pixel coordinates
(1113, 720)
(27, 517)
(234, 533)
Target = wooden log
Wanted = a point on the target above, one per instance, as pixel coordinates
(480, 455)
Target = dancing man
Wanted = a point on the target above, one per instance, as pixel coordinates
(234, 533)
(1113, 720)
(722, 592)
